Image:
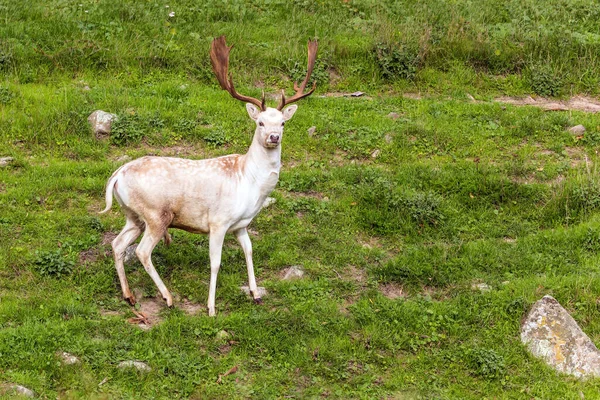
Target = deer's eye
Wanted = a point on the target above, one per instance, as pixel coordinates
(283, 123)
(261, 124)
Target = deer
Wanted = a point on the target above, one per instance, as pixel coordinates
(212, 196)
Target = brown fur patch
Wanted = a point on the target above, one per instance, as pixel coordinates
(231, 165)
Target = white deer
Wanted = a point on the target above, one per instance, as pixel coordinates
(214, 196)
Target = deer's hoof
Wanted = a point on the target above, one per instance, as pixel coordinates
(130, 300)
(258, 301)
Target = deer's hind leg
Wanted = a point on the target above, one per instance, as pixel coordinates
(156, 229)
(130, 232)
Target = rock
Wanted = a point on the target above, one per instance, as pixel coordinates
(86, 88)
(262, 292)
(293, 272)
(12, 389)
(68, 359)
(393, 115)
(4, 161)
(550, 333)
(376, 153)
(471, 98)
(482, 287)
(388, 138)
(311, 131)
(222, 335)
(130, 257)
(356, 94)
(268, 201)
(577, 130)
(139, 365)
(101, 123)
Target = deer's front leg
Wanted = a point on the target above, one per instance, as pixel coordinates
(216, 238)
(244, 240)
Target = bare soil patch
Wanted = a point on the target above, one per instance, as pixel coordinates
(108, 237)
(577, 103)
(392, 290)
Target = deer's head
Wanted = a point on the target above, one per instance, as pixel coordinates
(269, 121)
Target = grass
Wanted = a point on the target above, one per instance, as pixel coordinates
(449, 194)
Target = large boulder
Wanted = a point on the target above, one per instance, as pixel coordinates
(550, 333)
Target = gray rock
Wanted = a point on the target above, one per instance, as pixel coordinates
(311, 131)
(130, 257)
(4, 161)
(388, 138)
(577, 130)
(68, 359)
(357, 94)
(139, 365)
(393, 115)
(13, 389)
(293, 272)
(550, 333)
(262, 292)
(269, 201)
(101, 123)
(376, 153)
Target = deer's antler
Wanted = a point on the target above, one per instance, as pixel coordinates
(312, 56)
(219, 58)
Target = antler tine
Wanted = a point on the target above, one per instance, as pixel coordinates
(219, 58)
(312, 56)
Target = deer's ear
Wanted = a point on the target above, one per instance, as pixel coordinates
(289, 112)
(252, 111)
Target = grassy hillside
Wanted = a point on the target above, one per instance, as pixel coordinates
(396, 207)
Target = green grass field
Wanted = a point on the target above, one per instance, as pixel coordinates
(394, 220)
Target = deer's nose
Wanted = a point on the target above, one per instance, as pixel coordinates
(274, 138)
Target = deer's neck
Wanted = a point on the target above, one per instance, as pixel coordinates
(263, 165)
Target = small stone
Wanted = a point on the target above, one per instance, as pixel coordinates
(311, 131)
(262, 292)
(101, 123)
(356, 94)
(293, 272)
(471, 98)
(222, 335)
(139, 365)
(130, 256)
(482, 287)
(388, 138)
(376, 153)
(68, 359)
(269, 201)
(4, 161)
(86, 88)
(393, 115)
(550, 333)
(577, 130)
(13, 389)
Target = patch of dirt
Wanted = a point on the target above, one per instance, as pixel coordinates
(414, 96)
(351, 273)
(577, 157)
(392, 290)
(108, 237)
(149, 309)
(189, 307)
(578, 103)
(110, 313)
(89, 256)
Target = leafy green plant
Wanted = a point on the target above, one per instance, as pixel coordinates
(53, 264)
(6, 96)
(126, 129)
(486, 363)
(544, 80)
(396, 61)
